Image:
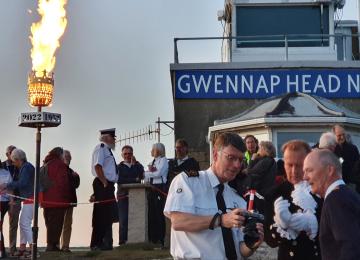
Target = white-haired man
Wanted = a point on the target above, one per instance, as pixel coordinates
(104, 170)
(327, 141)
(340, 217)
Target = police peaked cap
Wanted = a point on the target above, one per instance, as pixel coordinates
(110, 131)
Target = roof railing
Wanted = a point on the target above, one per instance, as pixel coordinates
(281, 41)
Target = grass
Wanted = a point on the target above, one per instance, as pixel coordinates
(128, 252)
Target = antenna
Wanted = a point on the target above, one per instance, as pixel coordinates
(148, 133)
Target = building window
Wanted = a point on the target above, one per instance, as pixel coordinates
(312, 138)
(262, 21)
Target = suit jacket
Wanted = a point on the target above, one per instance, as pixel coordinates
(175, 169)
(340, 225)
(302, 247)
(350, 154)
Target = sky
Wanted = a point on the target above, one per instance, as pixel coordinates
(112, 70)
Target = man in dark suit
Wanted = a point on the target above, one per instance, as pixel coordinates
(182, 162)
(340, 217)
(348, 152)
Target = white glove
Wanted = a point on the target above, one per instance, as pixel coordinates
(282, 213)
(298, 222)
(313, 226)
(304, 222)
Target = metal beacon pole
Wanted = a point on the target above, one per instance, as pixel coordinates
(40, 92)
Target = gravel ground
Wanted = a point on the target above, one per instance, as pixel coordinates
(264, 252)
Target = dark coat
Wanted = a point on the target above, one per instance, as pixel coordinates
(174, 169)
(132, 174)
(261, 174)
(350, 155)
(340, 225)
(59, 187)
(74, 182)
(300, 248)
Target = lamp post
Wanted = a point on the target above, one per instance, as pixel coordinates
(40, 94)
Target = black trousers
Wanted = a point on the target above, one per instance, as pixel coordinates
(54, 221)
(102, 218)
(156, 218)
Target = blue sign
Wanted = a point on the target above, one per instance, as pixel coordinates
(230, 84)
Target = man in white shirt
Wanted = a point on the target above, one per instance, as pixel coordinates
(205, 213)
(104, 169)
(340, 216)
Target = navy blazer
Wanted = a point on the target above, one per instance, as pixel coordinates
(340, 225)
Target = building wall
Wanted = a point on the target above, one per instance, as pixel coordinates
(193, 118)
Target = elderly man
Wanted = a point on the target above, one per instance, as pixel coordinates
(340, 217)
(104, 169)
(292, 212)
(327, 141)
(74, 182)
(15, 206)
(205, 213)
(348, 152)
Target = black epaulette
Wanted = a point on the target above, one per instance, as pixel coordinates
(102, 145)
(192, 173)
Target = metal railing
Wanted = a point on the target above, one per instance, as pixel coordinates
(287, 41)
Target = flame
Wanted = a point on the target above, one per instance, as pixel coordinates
(46, 34)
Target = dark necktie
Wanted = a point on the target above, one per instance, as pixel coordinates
(116, 168)
(230, 250)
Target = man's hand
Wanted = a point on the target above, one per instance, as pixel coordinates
(233, 218)
(304, 222)
(282, 213)
(260, 229)
(247, 251)
(92, 198)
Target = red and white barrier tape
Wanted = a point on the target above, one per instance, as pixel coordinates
(80, 203)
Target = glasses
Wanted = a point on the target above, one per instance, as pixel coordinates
(128, 153)
(232, 158)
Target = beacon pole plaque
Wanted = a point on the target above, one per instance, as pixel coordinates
(39, 119)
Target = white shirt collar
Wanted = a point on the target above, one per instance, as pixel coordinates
(180, 161)
(333, 186)
(214, 181)
(127, 164)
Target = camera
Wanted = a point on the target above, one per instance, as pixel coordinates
(251, 235)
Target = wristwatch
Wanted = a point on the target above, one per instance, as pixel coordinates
(215, 221)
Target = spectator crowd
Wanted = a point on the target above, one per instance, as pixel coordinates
(309, 198)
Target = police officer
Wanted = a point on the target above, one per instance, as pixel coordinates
(104, 170)
(205, 213)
